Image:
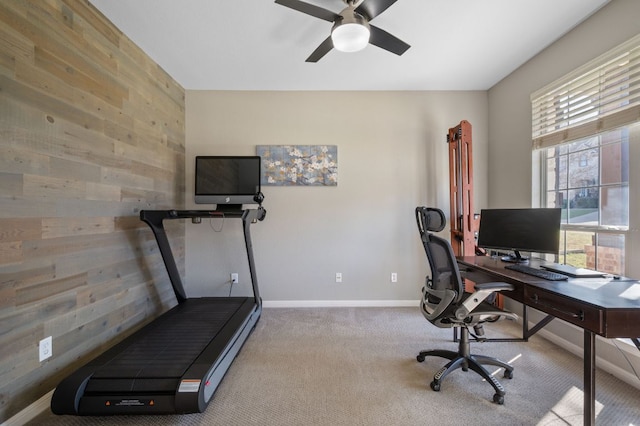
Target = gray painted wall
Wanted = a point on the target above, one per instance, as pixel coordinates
(392, 157)
(510, 161)
(510, 105)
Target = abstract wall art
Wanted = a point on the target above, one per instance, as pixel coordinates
(299, 165)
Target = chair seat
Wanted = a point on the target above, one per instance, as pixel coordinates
(488, 309)
(484, 312)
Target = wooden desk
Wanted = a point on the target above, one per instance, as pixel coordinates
(606, 307)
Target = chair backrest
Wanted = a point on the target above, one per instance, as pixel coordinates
(444, 289)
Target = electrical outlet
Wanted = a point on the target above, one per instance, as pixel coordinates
(45, 348)
(394, 277)
(234, 278)
(338, 277)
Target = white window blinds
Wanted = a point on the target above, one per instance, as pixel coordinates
(603, 94)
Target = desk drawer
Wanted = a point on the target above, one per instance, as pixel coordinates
(570, 310)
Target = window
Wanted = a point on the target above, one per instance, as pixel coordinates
(589, 180)
(585, 129)
(602, 95)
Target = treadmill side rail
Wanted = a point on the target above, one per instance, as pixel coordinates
(155, 218)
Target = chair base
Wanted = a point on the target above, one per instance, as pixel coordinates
(465, 360)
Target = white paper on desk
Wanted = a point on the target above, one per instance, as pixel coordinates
(632, 293)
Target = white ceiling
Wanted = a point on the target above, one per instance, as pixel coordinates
(260, 45)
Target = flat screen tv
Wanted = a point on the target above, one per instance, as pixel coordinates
(229, 181)
(528, 230)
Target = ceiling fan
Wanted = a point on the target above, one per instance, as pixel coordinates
(351, 29)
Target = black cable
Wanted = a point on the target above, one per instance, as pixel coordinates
(221, 224)
(622, 351)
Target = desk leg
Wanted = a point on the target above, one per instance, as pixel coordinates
(589, 378)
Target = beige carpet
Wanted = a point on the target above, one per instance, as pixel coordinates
(357, 366)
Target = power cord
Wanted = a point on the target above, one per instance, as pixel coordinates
(624, 355)
(221, 224)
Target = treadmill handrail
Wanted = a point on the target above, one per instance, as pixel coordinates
(155, 218)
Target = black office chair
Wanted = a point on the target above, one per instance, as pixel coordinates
(445, 304)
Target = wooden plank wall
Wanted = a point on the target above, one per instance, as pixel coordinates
(91, 132)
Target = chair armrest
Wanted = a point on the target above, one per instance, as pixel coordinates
(497, 286)
(445, 296)
(483, 290)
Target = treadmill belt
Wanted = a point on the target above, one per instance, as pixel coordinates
(164, 352)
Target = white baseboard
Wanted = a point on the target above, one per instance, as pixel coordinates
(338, 303)
(31, 412)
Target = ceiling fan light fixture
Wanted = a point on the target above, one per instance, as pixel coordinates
(350, 37)
(351, 30)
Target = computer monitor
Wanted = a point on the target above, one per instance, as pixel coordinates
(228, 181)
(528, 230)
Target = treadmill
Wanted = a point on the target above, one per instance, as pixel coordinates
(175, 363)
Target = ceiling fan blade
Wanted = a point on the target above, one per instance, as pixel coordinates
(324, 48)
(372, 8)
(386, 41)
(310, 9)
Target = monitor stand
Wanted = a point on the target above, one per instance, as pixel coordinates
(515, 258)
(229, 207)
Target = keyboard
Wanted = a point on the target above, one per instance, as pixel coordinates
(540, 273)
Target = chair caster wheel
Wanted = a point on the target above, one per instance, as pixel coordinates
(508, 374)
(420, 358)
(498, 399)
(435, 386)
